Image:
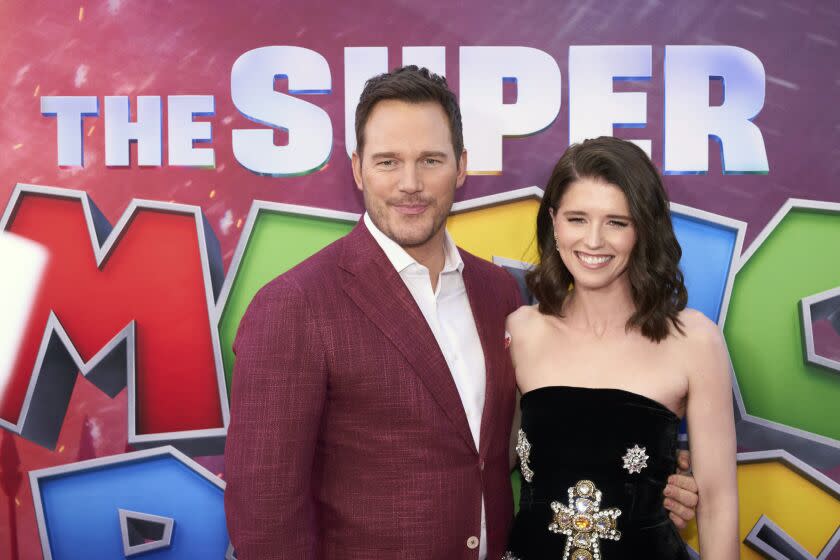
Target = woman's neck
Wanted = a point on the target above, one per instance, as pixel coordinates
(600, 310)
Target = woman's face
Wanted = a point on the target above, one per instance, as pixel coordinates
(595, 233)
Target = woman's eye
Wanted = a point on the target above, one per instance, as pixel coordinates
(617, 223)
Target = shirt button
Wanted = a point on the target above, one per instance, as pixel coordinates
(481, 465)
(472, 543)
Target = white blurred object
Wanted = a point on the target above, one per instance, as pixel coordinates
(24, 262)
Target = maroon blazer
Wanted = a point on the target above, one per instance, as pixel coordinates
(348, 439)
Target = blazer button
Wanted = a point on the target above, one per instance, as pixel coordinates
(472, 543)
(481, 465)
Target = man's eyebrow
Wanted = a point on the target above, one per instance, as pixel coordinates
(386, 155)
(434, 153)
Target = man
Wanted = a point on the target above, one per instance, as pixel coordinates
(372, 394)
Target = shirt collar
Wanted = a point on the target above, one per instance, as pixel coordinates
(401, 260)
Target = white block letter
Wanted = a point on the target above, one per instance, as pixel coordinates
(120, 131)
(182, 131)
(593, 106)
(690, 121)
(70, 112)
(487, 120)
(363, 63)
(309, 127)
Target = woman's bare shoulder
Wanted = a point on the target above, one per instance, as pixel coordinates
(698, 328)
(523, 317)
(526, 323)
(703, 343)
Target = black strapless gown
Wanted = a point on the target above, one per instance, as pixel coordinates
(594, 463)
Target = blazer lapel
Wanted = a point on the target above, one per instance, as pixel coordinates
(483, 310)
(377, 289)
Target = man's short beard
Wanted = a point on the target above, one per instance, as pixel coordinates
(437, 224)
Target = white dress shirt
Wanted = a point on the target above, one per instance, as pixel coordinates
(448, 314)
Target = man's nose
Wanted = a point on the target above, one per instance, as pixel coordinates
(410, 180)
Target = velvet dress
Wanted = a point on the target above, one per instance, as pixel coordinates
(593, 466)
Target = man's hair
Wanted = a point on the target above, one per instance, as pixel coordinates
(411, 85)
(656, 281)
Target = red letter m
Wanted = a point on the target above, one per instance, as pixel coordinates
(133, 306)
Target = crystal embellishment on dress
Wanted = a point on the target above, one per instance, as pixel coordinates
(508, 555)
(583, 522)
(635, 459)
(523, 449)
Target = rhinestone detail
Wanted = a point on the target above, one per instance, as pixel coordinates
(523, 449)
(583, 522)
(508, 555)
(635, 459)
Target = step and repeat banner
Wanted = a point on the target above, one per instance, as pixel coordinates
(161, 161)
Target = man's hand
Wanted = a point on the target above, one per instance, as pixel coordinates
(681, 494)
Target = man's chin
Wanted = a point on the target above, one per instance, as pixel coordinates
(408, 233)
(411, 235)
(410, 240)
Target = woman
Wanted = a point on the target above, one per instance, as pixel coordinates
(607, 364)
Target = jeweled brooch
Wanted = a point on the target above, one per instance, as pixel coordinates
(635, 459)
(583, 522)
(523, 449)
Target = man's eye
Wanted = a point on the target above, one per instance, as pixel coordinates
(386, 163)
(432, 161)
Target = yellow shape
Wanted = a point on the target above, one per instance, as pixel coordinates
(583, 523)
(506, 230)
(805, 511)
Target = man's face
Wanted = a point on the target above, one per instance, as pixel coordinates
(408, 172)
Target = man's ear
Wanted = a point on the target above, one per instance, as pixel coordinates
(356, 162)
(462, 169)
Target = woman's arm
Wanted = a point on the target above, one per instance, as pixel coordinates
(711, 430)
(515, 323)
(514, 432)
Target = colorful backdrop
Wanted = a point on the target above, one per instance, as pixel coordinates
(174, 157)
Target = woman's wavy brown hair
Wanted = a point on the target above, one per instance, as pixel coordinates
(656, 282)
